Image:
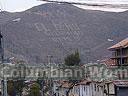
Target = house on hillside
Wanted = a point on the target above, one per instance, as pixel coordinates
(82, 88)
(120, 59)
(101, 88)
(120, 52)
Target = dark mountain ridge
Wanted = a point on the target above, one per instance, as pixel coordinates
(59, 30)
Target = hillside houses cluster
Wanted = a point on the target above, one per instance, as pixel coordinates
(88, 87)
(99, 88)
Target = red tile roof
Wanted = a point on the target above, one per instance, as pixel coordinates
(123, 83)
(123, 43)
(109, 61)
(66, 85)
(84, 82)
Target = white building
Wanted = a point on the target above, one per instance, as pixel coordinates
(84, 88)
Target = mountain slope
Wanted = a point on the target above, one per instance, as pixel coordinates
(60, 29)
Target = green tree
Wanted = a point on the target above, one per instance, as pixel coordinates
(73, 59)
(10, 88)
(19, 85)
(15, 87)
(35, 90)
(40, 80)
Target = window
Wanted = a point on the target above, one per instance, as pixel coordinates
(84, 88)
(95, 87)
(98, 88)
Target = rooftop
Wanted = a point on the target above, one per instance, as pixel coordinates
(123, 43)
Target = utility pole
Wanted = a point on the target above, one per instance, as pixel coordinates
(49, 57)
(4, 81)
(1, 48)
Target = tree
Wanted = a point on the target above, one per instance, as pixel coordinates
(40, 80)
(10, 88)
(15, 87)
(35, 90)
(19, 85)
(73, 59)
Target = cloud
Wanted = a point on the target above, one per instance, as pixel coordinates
(21, 5)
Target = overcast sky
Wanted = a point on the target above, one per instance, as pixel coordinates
(21, 5)
(18, 5)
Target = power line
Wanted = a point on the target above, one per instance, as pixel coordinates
(70, 2)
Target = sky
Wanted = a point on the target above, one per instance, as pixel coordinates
(21, 5)
(18, 5)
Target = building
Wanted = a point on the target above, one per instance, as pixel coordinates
(100, 88)
(120, 52)
(121, 88)
(84, 88)
(120, 59)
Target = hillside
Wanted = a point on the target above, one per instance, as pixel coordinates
(60, 29)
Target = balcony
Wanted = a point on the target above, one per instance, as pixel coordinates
(118, 57)
(115, 55)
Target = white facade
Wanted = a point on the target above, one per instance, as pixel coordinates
(90, 89)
